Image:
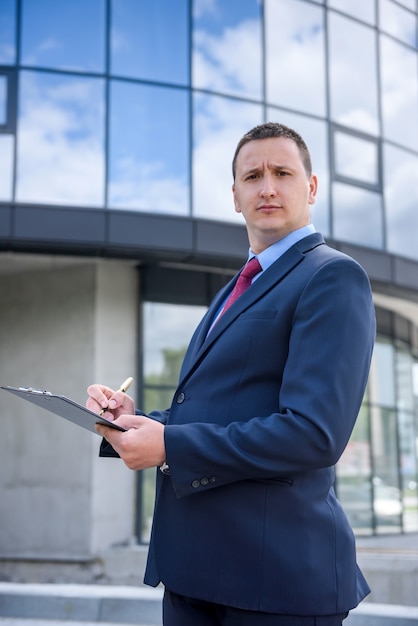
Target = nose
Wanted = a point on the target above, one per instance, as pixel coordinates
(268, 189)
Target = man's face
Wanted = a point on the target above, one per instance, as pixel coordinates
(272, 190)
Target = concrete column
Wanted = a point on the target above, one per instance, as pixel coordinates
(62, 327)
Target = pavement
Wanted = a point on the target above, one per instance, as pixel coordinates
(389, 562)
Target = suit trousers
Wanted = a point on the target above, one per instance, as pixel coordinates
(184, 611)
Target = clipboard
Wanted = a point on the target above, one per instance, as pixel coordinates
(62, 406)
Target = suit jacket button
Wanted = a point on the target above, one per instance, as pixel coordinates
(180, 398)
(212, 479)
(196, 484)
(204, 481)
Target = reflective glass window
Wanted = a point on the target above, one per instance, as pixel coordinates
(167, 329)
(356, 158)
(227, 53)
(401, 201)
(398, 22)
(354, 476)
(315, 134)
(6, 169)
(353, 74)
(60, 139)
(219, 124)
(150, 40)
(357, 215)
(387, 497)
(295, 55)
(408, 435)
(7, 31)
(409, 4)
(364, 10)
(399, 70)
(149, 148)
(65, 35)
(381, 379)
(3, 100)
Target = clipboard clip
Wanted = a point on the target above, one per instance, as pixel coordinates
(32, 390)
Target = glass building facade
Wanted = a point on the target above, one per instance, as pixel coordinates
(118, 121)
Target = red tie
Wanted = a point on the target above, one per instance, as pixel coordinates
(248, 272)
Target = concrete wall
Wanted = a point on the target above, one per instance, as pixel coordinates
(61, 328)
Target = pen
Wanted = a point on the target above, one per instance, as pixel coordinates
(124, 387)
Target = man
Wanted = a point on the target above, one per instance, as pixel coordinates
(247, 528)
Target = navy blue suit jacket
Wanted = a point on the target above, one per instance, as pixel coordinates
(264, 408)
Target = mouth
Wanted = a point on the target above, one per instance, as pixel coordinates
(268, 208)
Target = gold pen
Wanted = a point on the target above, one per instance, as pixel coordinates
(124, 387)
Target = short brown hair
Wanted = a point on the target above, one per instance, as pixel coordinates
(274, 129)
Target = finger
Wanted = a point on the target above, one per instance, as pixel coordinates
(98, 395)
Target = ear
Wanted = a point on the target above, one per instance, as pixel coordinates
(313, 188)
(237, 207)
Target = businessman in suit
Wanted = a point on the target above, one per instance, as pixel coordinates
(247, 529)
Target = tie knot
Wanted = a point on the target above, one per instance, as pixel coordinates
(252, 268)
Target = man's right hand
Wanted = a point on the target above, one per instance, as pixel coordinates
(115, 403)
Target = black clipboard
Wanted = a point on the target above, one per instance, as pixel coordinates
(62, 406)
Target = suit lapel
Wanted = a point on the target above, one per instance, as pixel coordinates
(202, 342)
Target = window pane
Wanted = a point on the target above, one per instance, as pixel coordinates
(3, 100)
(144, 36)
(62, 34)
(219, 124)
(405, 397)
(60, 139)
(353, 79)
(227, 47)
(364, 10)
(381, 379)
(401, 200)
(295, 60)
(357, 215)
(409, 470)
(399, 69)
(149, 148)
(386, 493)
(398, 22)
(6, 169)
(7, 31)
(167, 330)
(314, 132)
(356, 158)
(354, 477)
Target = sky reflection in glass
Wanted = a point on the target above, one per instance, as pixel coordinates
(399, 71)
(398, 22)
(295, 64)
(6, 169)
(7, 31)
(63, 34)
(227, 43)
(150, 40)
(363, 10)
(60, 139)
(357, 215)
(353, 80)
(401, 200)
(149, 148)
(3, 100)
(356, 158)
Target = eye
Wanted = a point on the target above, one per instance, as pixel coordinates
(283, 173)
(253, 176)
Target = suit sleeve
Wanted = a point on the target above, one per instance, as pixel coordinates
(322, 386)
